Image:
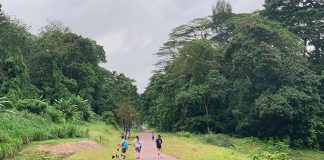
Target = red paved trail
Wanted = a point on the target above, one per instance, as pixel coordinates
(149, 149)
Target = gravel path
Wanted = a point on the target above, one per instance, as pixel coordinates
(149, 151)
(69, 148)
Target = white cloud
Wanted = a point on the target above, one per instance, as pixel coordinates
(114, 42)
(131, 31)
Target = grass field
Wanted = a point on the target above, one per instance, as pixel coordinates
(182, 145)
(192, 148)
(109, 138)
(186, 146)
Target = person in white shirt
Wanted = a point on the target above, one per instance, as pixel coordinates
(138, 146)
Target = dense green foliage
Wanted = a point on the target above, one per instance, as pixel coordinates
(51, 82)
(60, 67)
(241, 74)
(305, 19)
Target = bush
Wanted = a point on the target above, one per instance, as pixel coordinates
(83, 106)
(69, 110)
(54, 114)
(218, 140)
(32, 105)
(109, 118)
(184, 134)
(41, 108)
(270, 156)
(5, 103)
(275, 151)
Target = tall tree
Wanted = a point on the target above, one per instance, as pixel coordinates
(304, 18)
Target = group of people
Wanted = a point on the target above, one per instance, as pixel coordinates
(138, 146)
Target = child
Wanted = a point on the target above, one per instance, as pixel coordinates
(138, 146)
(124, 146)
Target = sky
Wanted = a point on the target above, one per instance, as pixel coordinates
(131, 31)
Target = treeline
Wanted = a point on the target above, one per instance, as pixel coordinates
(58, 64)
(258, 74)
(53, 82)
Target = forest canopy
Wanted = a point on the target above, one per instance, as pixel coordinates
(244, 74)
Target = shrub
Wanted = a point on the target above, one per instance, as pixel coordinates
(109, 118)
(41, 108)
(5, 103)
(69, 110)
(184, 134)
(275, 151)
(83, 106)
(32, 105)
(54, 114)
(218, 140)
(270, 156)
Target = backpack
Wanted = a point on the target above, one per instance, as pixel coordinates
(124, 144)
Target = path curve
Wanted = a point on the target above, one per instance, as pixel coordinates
(149, 149)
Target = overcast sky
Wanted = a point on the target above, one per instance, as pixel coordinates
(131, 31)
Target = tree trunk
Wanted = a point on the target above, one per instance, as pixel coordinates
(206, 111)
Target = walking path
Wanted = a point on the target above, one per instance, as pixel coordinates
(149, 149)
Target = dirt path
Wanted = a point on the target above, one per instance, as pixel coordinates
(149, 149)
(69, 148)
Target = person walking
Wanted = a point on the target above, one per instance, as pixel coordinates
(124, 146)
(158, 142)
(153, 136)
(138, 146)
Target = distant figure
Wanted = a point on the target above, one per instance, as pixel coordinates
(138, 146)
(158, 142)
(153, 136)
(124, 146)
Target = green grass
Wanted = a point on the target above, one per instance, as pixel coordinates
(20, 128)
(186, 146)
(98, 131)
(193, 148)
(108, 137)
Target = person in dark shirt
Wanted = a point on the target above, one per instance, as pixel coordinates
(158, 142)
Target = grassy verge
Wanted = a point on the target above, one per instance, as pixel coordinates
(98, 131)
(108, 137)
(193, 148)
(186, 146)
(20, 128)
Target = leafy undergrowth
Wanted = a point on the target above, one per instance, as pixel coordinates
(185, 146)
(20, 128)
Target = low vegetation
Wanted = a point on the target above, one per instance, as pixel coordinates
(187, 146)
(19, 128)
(105, 135)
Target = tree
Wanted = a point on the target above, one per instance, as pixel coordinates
(127, 115)
(304, 18)
(255, 83)
(273, 83)
(14, 78)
